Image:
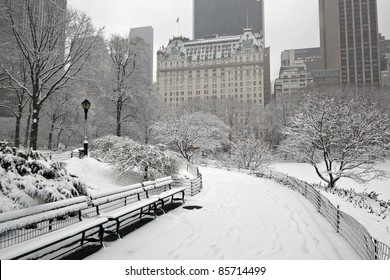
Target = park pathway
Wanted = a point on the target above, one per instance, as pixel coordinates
(243, 217)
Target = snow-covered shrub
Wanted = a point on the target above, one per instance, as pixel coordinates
(27, 179)
(129, 157)
(249, 152)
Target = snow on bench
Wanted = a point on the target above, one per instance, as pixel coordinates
(25, 235)
(127, 206)
(31, 246)
(16, 214)
(137, 209)
(162, 189)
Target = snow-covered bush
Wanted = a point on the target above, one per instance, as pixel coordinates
(249, 152)
(129, 157)
(27, 179)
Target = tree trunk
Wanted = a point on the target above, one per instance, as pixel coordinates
(34, 126)
(119, 117)
(58, 138)
(49, 145)
(17, 131)
(28, 122)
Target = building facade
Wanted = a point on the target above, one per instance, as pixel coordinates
(213, 69)
(147, 35)
(296, 71)
(227, 17)
(385, 61)
(349, 40)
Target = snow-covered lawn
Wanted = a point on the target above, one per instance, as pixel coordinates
(243, 217)
(377, 226)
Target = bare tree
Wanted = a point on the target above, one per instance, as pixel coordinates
(60, 107)
(146, 115)
(126, 87)
(250, 152)
(22, 99)
(191, 134)
(347, 132)
(55, 44)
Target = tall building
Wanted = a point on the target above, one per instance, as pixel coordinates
(220, 68)
(385, 61)
(349, 40)
(227, 17)
(146, 34)
(296, 71)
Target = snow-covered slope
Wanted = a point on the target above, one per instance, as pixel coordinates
(99, 176)
(243, 217)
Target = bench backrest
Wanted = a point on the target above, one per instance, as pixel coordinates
(17, 214)
(116, 199)
(156, 187)
(33, 225)
(116, 191)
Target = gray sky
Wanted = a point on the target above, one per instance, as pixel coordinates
(289, 24)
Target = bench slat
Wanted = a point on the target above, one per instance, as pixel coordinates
(117, 213)
(170, 193)
(16, 214)
(46, 240)
(111, 198)
(32, 219)
(116, 191)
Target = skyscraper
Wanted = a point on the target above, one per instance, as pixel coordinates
(147, 34)
(349, 40)
(227, 17)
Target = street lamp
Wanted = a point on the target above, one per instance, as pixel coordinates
(86, 105)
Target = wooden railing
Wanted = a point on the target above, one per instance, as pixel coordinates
(193, 186)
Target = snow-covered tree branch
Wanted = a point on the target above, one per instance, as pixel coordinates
(249, 152)
(346, 132)
(193, 133)
(129, 157)
(55, 45)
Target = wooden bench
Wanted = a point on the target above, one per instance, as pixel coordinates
(34, 232)
(162, 189)
(124, 206)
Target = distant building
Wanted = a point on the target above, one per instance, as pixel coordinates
(349, 40)
(227, 17)
(385, 61)
(147, 34)
(296, 70)
(214, 69)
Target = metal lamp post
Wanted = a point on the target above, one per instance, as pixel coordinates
(86, 105)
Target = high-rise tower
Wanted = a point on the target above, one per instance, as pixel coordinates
(349, 40)
(147, 34)
(227, 17)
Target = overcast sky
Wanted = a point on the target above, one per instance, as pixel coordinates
(289, 24)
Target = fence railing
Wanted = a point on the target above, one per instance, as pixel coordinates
(354, 232)
(193, 186)
(59, 157)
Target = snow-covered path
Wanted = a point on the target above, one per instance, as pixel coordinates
(243, 217)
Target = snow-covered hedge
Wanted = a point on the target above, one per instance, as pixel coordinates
(129, 157)
(28, 179)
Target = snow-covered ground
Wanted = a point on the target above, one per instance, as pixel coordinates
(99, 176)
(243, 217)
(377, 226)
